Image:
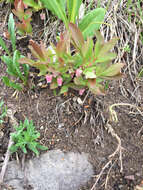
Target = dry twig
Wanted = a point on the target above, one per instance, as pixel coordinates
(10, 114)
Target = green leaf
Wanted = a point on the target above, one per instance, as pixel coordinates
(113, 70)
(11, 30)
(106, 57)
(92, 22)
(33, 4)
(99, 43)
(80, 81)
(9, 62)
(3, 45)
(56, 7)
(87, 49)
(73, 9)
(42, 147)
(64, 89)
(41, 66)
(97, 90)
(13, 148)
(26, 71)
(24, 149)
(33, 148)
(90, 74)
(101, 67)
(62, 4)
(107, 47)
(9, 83)
(16, 65)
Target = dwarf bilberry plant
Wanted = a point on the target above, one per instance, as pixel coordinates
(75, 62)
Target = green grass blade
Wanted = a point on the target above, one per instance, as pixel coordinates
(3, 45)
(56, 8)
(73, 9)
(62, 4)
(11, 30)
(92, 22)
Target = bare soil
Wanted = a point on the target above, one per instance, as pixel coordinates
(66, 124)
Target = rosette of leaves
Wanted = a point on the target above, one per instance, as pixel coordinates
(73, 54)
(96, 64)
(24, 26)
(25, 137)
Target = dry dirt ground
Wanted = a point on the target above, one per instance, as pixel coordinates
(115, 149)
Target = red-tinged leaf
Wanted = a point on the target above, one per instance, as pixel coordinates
(92, 83)
(115, 77)
(64, 89)
(53, 85)
(61, 46)
(28, 13)
(26, 61)
(87, 49)
(99, 43)
(107, 47)
(25, 26)
(106, 57)
(99, 37)
(36, 50)
(46, 53)
(95, 88)
(113, 70)
(98, 90)
(76, 35)
(6, 34)
(19, 5)
(100, 67)
(80, 81)
(19, 9)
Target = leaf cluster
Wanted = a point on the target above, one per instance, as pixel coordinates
(25, 138)
(73, 54)
(24, 26)
(68, 12)
(11, 60)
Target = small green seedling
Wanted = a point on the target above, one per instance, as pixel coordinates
(11, 60)
(127, 48)
(25, 138)
(3, 112)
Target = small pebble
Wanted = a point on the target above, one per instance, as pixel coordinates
(79, 101)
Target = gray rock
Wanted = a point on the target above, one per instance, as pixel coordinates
(53, 170)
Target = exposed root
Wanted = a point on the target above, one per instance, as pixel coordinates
(113, 114)
(6, 160)
(10, 114)
(111, 157)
